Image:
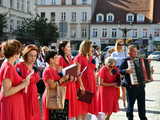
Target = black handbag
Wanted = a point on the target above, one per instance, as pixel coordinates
(85, 97)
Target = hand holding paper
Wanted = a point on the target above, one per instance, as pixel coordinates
(27, 80)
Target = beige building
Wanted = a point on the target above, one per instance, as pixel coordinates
(16, 11)
(72, 17)
(138, 20)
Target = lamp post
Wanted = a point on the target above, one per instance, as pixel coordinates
(125, 31)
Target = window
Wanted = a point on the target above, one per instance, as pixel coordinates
(100, 18)
(23, 4)
(130, 17)
(18, 4)
(73, 34)
(157, 32)
(63, 2)
(18, 24)
(140, 18)
(43, 14)
(28, 6)
(114, 32)
(63, 29)
(134, 34)
(1, 2)
(63, 16)
(74, 2)
(11, 25)
(95, 32)
(84, 2)
(52, 16)
(84, 32)
(53, 2)
(84, 16)
(110, 17)
(42, 2)
(11, 3)
(104, 32)
(145, 32)
(73, 16)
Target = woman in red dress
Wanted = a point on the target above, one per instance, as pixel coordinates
(11, 84)
(51, 78)
(109, 80)
(32, 106)
(66, 60)
(84, 58)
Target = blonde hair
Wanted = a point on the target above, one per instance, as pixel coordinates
(85, 47)
(116, 44)
(130, 47)
(110, 60)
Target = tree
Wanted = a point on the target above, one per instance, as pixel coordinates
(2, 24)
(37, 30)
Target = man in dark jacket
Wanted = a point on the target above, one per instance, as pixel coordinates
(133, 92)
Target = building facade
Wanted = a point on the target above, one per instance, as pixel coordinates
(16, 11)
(72, 17)
(136, 20)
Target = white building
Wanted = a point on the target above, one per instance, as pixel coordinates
(140, 18)
(72, 17)
(16, 11)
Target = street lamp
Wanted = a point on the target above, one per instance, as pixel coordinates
(125, 31)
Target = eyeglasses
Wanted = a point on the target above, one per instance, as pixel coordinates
(120, 44)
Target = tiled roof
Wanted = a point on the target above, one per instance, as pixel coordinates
(121, 7)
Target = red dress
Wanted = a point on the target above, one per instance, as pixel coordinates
(109, 93)
(49, 73)
(11, 107)
(71, 90)
(32, 106)
(89, 82)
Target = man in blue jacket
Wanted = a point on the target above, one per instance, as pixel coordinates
(133, 92)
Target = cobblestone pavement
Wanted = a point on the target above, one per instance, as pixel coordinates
(152, 99)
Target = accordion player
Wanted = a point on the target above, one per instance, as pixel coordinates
(142, 72)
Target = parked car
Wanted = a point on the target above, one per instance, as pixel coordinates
(155, 55)
(74, 52)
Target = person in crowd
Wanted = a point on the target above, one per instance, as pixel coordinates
(66, 60)
(109, 80)
(119, 54)
(11, 84)
(51, 78)
(1, 55)
(97, 57)
(133, 92)
(41, 64)
(86, 61)
(32, 106)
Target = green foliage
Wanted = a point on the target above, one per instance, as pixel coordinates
(37, 30)
(2, 24)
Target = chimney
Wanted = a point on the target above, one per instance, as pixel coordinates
(151, 10)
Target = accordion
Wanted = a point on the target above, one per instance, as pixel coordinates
(142, 72)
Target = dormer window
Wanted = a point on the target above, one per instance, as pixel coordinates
(140, 18)
(110, 17)
(84, 2)
(100, 17)
(130, 17)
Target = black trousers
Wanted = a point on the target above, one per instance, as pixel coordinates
(133, 94)
(59, 114)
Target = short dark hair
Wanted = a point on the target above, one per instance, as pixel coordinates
(11, 48)
(49, 54)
